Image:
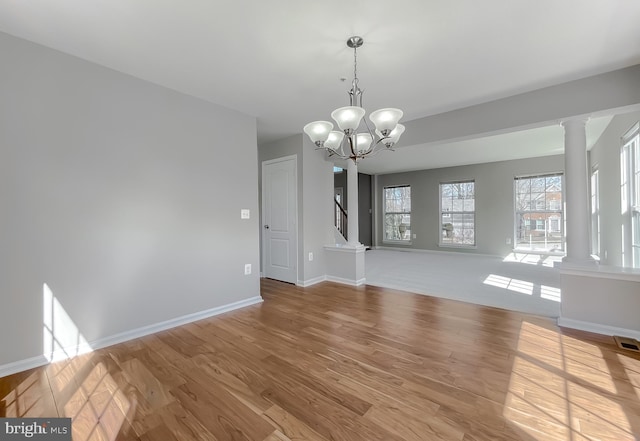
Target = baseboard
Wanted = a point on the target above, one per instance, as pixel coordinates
(41, 360)
(350, 282)
(597, 328)
(315, 280)
(22, 365)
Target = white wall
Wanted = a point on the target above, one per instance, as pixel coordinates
(119, 195)
(494, 201)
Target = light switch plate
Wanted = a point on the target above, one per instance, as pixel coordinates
(245, 213)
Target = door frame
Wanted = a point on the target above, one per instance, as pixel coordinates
(263, 259)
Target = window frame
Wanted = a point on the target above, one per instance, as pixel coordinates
(441, 214)
(630, 193)
(550, 211)
(594, 187)
(406, 241)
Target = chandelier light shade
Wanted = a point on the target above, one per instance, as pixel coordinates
(351, 141)
(385, 120)
(318, 131)
(363, 142)
(393, 136)
(348, 118)
(334, 140)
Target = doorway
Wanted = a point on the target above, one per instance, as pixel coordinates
(279, 214)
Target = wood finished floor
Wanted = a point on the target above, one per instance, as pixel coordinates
(332, 362)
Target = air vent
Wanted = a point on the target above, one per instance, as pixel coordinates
(627, 343)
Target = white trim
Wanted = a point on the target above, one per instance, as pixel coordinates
(601, 272)
(314, 281)
(440, 212)
(458, 246)
(41, 360)
(263, 257)
(346, 248)
(398, 242)
(22, 365)
(350, 282)
(597, 328)
(384, 213)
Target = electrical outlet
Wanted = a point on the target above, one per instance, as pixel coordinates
(414, 236)
(508, 241)
(310, 257)
(247, 269)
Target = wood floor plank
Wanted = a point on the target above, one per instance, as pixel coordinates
(277, 366)
(221, 413)
(337, 363)
(290, 426)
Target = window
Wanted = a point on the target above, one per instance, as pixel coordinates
(630, 193)
(397, 213)
(595, 213)
(538, 213)
(458, 214)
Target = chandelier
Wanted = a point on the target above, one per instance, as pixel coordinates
(348, 142)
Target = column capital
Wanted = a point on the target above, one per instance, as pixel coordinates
(575, 121)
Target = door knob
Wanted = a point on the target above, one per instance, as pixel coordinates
(266, 227)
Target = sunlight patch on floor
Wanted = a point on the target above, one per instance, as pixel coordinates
(510, 284)
(533, 259)
(550, 293)
(554, 393)
(98, 408)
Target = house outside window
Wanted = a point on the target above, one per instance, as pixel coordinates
(539, 217)
(397, 214)
(458, 214)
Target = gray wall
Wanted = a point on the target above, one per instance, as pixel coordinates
(317, 208)
(494, 201)
(119, 195)
(605, 155)
(365, 210)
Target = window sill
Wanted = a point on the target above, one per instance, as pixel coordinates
(397, 242)
(453, 245)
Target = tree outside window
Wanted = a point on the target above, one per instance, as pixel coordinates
(397, 213)
(458, 213)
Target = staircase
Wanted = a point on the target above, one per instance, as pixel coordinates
(340, 219)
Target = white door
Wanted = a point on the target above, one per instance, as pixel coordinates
(279, 236)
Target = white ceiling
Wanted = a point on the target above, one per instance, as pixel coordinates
(281, 60)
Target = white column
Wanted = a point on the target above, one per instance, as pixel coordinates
(352, 204)
(576, 178)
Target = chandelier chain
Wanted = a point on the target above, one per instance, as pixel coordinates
(355, 66)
